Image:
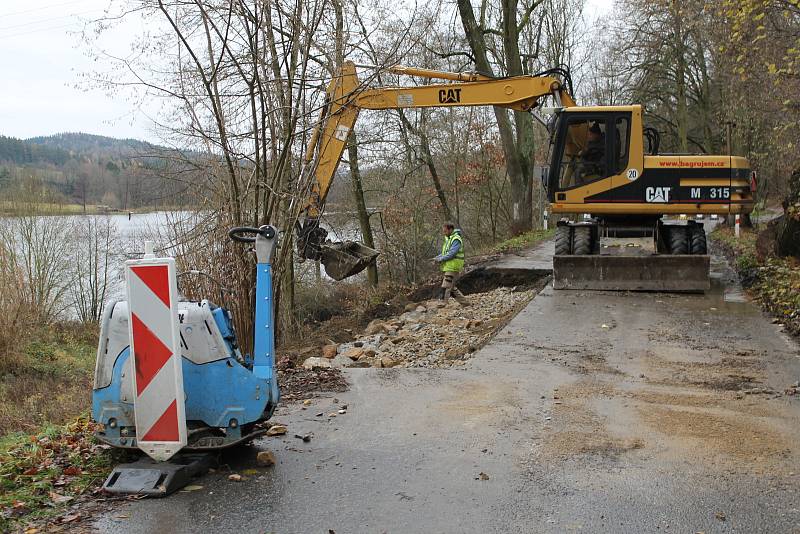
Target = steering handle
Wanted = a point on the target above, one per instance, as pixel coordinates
(247, 234)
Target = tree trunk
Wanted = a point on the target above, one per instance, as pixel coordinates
(788, 230)
(361, 206)
(682, 116)
(427, 158)
(517, 151)
(352, 149)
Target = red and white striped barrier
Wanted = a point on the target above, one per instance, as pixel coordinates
(155, 348)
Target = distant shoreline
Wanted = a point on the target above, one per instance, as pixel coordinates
(10, 208)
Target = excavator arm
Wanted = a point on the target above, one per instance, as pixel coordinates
(346, 98)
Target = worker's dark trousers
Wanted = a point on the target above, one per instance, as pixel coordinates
(449, 287)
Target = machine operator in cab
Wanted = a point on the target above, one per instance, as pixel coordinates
(593, 156)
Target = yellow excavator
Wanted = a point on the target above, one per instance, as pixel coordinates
(605, 177)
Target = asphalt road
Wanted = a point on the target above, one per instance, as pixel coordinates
(590, 412)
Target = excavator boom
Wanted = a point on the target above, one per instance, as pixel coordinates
(346, 98)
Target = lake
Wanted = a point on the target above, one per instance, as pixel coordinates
(133, 230)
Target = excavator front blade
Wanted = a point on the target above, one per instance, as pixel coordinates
(682, 273)
(342, 260)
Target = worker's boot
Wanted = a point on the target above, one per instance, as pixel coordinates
(459, 296)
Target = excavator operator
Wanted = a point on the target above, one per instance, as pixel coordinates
(593, 156)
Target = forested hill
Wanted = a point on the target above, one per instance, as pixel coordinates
(78, 142)
(21, 152)
(86, 169)
(60, 148)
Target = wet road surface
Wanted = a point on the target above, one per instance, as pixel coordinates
(589, 412)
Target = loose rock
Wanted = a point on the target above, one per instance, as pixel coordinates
(316, 362)
(276, 430)
(354, 354)
(329, 351)
(341, 361)
(386, 361)
(266, 458)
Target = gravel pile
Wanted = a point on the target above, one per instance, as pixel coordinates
(428, 334)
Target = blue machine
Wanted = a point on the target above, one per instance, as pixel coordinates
(226, 393)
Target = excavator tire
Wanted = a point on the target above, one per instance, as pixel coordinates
(677, 238)
(562, 240)
(582, 241)
(697, 240)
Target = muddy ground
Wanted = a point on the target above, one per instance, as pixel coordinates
(589, 411)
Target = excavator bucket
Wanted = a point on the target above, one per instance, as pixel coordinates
(342, 260)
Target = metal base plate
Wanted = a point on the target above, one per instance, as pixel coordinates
(681, 273)
(204, 444)
(157, 479)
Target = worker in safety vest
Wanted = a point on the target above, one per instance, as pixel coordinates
(451, 262)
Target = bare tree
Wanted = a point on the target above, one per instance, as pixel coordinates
(240, 89)
(94, 250)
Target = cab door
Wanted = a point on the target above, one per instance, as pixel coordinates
(623, 169)
(580, 154)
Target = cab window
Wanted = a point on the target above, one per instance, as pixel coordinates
(583, 159)
(621, 143)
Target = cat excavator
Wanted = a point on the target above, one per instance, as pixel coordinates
(606, 177)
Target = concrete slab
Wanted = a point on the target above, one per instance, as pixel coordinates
(538, 260)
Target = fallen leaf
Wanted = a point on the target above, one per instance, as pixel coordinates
(70, 518)
(250, 472)
(482, 476)
(57, 498)
(192, 487)
(72, 470)
(235, 477)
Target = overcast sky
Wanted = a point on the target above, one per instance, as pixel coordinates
(40, 64)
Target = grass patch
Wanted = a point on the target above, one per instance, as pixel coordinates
(11, 207)
(523, 241)
(46, 377)
(43, 474)
(774, 282)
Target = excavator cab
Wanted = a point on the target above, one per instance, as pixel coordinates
(588, 148)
